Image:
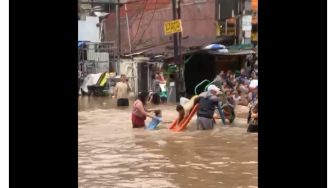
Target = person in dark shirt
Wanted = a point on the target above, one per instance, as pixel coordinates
(207, 104)
(243, 76)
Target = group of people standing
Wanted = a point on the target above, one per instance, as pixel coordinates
(139, 112)
(122, 89)
(205, 115)
(239, 89)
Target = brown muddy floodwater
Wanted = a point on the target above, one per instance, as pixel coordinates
(113, 154)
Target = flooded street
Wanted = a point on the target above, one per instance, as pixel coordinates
(113, 154)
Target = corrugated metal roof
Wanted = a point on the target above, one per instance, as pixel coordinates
(188, 43)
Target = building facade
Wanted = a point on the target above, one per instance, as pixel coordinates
(238, 19)
(146, 23)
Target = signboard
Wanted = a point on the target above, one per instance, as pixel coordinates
(247, 23)
(174, 26)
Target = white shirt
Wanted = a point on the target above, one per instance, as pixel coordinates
(253, 84)
(236, 99)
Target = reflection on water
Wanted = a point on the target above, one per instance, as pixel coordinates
(113, 154)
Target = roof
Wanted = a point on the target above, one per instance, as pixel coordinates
(188, 45)
(232, 52)
(193, 45)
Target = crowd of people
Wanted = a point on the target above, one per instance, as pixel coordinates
(241, 89)
(238, 89)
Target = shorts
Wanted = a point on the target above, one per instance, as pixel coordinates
(122, 102)
(205, 123)
(156, 98)
(252, 128)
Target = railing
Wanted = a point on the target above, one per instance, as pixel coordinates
(201, 83)
(206, 87)
(218, 107)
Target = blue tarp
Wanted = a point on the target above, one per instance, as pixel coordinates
(214, 47)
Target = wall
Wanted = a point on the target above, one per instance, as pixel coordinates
(227, 7)
(198, 22)
(87, 29)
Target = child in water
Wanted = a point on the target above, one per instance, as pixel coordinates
(156, 120)
(181, 113)
(185, 107)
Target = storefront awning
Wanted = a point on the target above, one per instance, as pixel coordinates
(232, 52)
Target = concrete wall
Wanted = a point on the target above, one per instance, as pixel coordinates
(87, 29)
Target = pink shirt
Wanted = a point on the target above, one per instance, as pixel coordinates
(138, 114)
(138, 109)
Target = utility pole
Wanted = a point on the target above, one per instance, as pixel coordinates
(240, 18)
(118, 36)
(176, 52)
(181, 63)
(128, 31)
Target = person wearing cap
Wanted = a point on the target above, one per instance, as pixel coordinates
(207, 105)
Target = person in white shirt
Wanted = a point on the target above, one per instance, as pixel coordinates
(254, 82)
(236, 98)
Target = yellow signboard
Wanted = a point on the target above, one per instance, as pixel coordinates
(174, 26)
(218, 29)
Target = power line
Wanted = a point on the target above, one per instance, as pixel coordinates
(143, 12)
(149, 23)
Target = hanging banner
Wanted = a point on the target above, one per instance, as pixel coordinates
(247, 34)
(247, 23)
(174, 26)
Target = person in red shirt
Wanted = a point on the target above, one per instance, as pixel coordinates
(162, 77)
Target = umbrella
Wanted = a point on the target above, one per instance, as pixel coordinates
(214, 47)
(223, 50)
